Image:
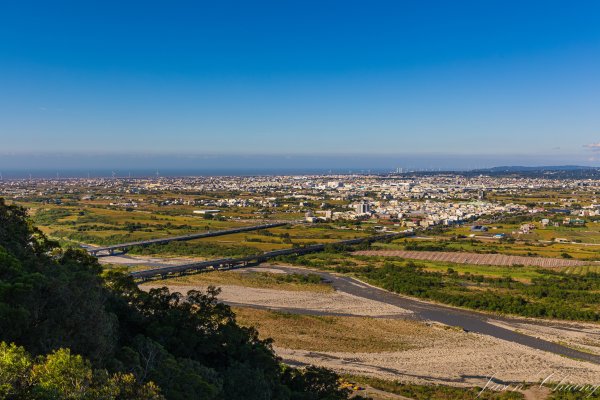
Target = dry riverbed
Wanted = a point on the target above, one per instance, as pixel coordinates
(300, 300)
(390, 346)
(460, 359)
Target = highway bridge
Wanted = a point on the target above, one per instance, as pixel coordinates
(123, 247)
(230, 263)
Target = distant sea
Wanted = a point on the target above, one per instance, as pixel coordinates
(147, 173)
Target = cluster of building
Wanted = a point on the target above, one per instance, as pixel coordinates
(426, 213)
(440, 186)
(411, 201)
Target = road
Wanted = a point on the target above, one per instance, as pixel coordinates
(110, 250)
(231, 263)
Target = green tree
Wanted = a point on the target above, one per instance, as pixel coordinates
(15, 366)
(62, 375)
(314, 383)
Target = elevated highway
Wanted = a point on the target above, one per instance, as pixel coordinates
(123, 247)
(230, 263)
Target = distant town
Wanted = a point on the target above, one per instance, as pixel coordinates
(417, 201)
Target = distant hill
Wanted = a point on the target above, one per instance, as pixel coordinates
(520, 168)
(548, 172)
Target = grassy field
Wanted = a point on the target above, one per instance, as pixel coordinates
(343, 334)
(523, 274)
(582, 270)
(106, 226)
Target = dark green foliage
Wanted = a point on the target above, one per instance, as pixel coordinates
(195, 329)
(428, 246)
(335, 248)
(199, 249)
(50, 302)
(298, 278)
(323, 383)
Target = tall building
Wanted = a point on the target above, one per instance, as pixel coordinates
(362, 208)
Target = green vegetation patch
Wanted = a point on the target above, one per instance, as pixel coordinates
(197, 249)
(548, 295)
(49, 216)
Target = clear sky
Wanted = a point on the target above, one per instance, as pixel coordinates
(486, 81)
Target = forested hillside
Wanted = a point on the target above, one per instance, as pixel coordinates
(68, 330)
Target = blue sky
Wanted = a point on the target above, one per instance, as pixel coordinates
(469, 81)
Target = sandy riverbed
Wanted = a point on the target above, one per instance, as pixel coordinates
(336, 302)
(459, 359)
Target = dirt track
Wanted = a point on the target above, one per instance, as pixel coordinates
(475, 258)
